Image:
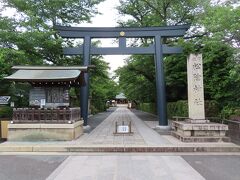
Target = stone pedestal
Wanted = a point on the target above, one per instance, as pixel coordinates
(45, 132)
(200, 132)
(196, 128)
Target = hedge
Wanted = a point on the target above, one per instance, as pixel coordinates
(147, 107)
(97, 106)
(180, 108)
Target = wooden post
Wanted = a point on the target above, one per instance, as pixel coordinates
(130, 127)
(116, 127)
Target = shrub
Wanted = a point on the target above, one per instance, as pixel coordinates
(147, 107)
(5, 112)
(97, 106)
(179, 108)
(237, 112)
(232, 113)
(93, 110)
(212, 108)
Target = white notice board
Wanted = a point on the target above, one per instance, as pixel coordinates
(43, 102)
(123, 129)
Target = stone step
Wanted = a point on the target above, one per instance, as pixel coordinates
(199, 139)
(154, 149)
(169, 149)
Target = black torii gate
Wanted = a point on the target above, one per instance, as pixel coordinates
(157, 48)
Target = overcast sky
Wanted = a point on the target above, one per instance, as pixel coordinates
(108, 19)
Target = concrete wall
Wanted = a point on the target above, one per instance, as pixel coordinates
(45, 132)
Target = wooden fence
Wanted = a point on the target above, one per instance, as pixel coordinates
(37, 115)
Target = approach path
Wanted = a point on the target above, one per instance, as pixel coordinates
(142, 135)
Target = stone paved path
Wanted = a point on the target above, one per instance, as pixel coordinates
(103, 133)
(95, 120)
(125, 167)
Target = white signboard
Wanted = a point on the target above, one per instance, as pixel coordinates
(4, 99)
(43, 102)
(123, 129)
(12, 104)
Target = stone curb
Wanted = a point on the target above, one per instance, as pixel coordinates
(118, 149)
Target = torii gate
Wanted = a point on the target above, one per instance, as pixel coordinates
(157, 48)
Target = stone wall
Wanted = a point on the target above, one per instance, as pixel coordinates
(234, 130)
(45, 132)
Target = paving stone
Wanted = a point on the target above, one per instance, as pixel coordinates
(126, 167)
(143, 134)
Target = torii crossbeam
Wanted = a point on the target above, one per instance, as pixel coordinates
(157, 48)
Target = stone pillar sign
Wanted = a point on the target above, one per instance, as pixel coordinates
(196, 128)
(195, 87)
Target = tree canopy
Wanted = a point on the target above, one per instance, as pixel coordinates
(214, 32)
(29, 38)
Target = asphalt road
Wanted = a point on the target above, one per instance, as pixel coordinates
(39, 167)
(216, 167)
(28, 167)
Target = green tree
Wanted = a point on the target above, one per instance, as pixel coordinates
(32, 29)
(137, 78)
(222, 23)
(214, 32)
(156, 13)
(102, 87)
(29, 38)
(160, 12)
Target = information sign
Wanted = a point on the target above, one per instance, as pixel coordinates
(123, 129)
(4, 99)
